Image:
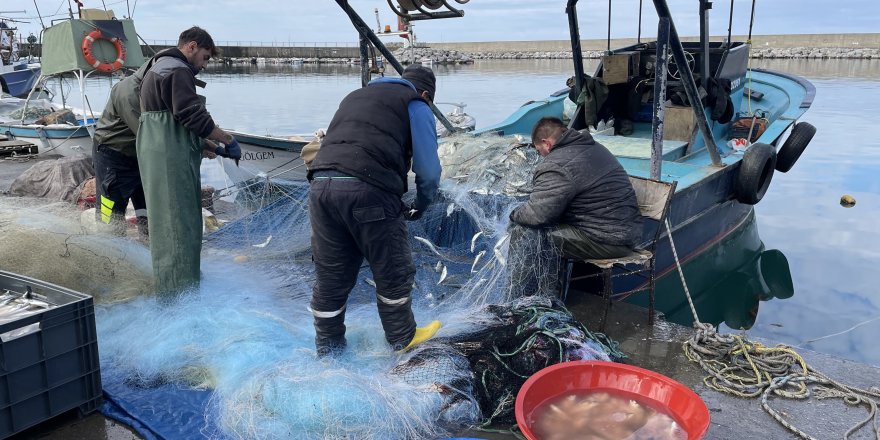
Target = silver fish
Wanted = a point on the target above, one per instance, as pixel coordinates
(474, 240)
(519, 153)
(442, 275)
(450, 209)
(370, 282)
(438, 266)
(428, 243)
(473, 266)
(263, 244)
(497, 249)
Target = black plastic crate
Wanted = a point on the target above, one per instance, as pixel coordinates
(53, 367)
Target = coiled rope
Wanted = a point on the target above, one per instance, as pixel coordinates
(744, 368)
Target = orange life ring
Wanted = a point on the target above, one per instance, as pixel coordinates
(90, 57)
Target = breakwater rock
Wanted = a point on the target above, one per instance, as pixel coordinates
(818, 53)
(791, 52)
(408, 55)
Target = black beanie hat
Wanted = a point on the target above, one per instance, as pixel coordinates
(421, 77)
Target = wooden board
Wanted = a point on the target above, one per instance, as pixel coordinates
(17, 147)
(678, 123)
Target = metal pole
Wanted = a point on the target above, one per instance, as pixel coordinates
(365, 31)
(705, 5)
(365, 70)
(577, 56)
(661, 69)
(690, 87)
(639, 37)
(609, 27)
(730, 24)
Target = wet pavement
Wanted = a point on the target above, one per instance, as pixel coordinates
(657, 348)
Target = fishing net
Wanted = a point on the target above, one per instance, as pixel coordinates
(246, 333)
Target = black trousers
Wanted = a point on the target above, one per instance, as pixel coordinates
(118, 180)
(353, 220)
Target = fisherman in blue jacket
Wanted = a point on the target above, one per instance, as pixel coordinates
(377, 135)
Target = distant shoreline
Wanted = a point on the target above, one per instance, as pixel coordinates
(814, 46)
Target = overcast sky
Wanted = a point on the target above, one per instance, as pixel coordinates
(484, 20)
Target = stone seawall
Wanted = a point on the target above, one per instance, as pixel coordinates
(861, 46)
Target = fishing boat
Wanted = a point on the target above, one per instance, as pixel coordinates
(17, 75)
(292, 143)
(17, 78)
(94, 44)
(721, 152)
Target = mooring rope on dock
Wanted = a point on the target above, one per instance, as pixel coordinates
(744, 368)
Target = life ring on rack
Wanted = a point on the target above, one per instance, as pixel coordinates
(754, 174)
(89, 56)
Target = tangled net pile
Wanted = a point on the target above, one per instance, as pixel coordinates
(247, 335)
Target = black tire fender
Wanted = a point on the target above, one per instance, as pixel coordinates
(755, 173)
(801, 135)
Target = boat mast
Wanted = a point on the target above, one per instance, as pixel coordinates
(705, 5)
(690, 86)
(576, 55)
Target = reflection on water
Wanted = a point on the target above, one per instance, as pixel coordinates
(728, 282)
(823, 69)
(832, 251)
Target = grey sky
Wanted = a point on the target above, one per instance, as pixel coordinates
(484, 20)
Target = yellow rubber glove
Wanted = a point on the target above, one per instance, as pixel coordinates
(423, 334)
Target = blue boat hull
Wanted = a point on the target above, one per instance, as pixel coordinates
(19, 82)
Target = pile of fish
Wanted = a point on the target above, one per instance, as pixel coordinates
(489, 164)
(17, 305)
(602, 416)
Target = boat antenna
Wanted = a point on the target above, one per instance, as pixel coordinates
(751, 21)
(730, 24)
(39, 15)
(128, 6)
(639, 36)
(609, 27)
(105, 4)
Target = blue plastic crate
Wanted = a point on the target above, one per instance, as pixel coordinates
(50, 365)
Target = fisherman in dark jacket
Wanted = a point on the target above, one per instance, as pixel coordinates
(357, 179)
(582, 196)
(173, 122)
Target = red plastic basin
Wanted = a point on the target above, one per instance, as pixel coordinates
(648, 387)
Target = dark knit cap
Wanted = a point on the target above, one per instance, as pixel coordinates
(421, 77)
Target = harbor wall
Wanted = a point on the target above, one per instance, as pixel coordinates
(848, 41)
(870, 42)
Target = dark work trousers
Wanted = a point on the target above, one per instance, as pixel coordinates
(534, 256)
(118, 179)
(352, 220)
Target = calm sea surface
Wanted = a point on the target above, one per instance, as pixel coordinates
(830, 249)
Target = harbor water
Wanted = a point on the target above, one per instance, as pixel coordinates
(827, 304)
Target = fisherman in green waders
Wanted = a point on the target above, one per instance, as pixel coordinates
(173, 123)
